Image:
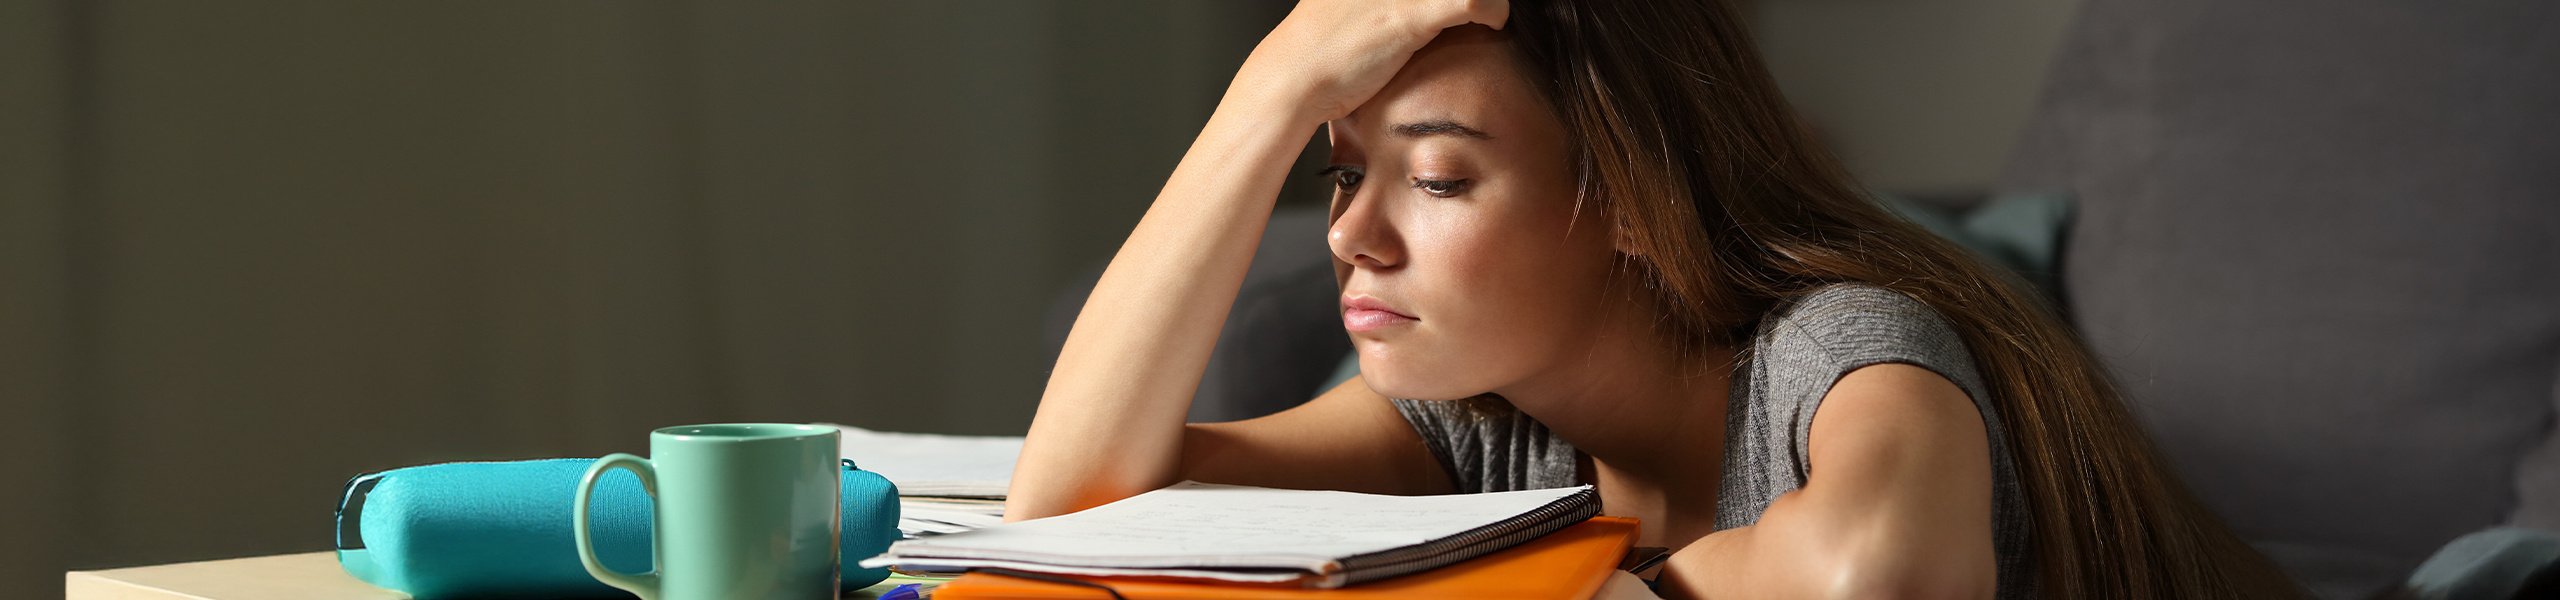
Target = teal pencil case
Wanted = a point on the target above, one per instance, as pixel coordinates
(502, 529)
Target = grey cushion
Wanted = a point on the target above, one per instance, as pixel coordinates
(2319, 242)
(2488, 565)
(1282, 339)
(2020, 232)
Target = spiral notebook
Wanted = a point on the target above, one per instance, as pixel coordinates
(1245, 534)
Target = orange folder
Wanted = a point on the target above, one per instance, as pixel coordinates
(1568, 564)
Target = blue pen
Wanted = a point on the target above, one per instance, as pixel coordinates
(909, 591)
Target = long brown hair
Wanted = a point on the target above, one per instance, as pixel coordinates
(1731, 207)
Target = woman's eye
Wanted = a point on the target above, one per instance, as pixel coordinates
(1344, 178)
(1441, 188)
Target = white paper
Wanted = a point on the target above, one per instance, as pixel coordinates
(919, 517)
(925, 464)
(1196, 525)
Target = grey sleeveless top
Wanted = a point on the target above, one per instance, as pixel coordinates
(1795, 357)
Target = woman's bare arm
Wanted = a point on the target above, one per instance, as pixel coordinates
(1897, 504)
(1110, 423)
(1349, 438)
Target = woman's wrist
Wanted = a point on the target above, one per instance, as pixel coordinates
(1252, 138)
(1264, 102)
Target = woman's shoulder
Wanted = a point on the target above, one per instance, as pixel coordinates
(1853, 303)
(1848, 325)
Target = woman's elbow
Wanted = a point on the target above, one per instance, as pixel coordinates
(1049, 482)
(1915, 574)
(1034, 501)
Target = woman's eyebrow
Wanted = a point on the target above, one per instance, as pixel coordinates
(1438, 127)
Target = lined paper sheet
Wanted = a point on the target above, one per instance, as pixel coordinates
(1193, 525)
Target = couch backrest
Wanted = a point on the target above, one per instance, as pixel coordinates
(2319, 243)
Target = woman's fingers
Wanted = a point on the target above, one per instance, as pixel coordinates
(1329, 56)
(1426, 18)
(1489, 13)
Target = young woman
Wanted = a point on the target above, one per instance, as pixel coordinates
(1586, 241)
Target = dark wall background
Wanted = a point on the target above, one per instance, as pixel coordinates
(256, 248)
(250, 249)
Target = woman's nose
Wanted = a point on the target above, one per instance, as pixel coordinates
(1363, 237)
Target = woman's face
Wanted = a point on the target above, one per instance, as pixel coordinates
(1463, 265)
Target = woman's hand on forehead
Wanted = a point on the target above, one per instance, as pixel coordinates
(1330, 56)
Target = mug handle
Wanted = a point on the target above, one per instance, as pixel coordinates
(643, 584)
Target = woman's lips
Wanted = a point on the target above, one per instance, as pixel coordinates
(1364, 314)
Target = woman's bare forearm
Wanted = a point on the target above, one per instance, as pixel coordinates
(1110, 423)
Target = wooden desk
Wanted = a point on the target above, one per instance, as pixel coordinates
(312, 576)
(315, 576)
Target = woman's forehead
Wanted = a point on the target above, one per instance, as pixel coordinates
(1466, 76)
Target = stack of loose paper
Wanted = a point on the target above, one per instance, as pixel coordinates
(919, 517)
(946, 483)
(1255, 535)
(925, 464)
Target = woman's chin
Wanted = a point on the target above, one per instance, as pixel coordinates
(1391, 383)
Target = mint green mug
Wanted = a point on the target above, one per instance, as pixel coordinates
(744, 511)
